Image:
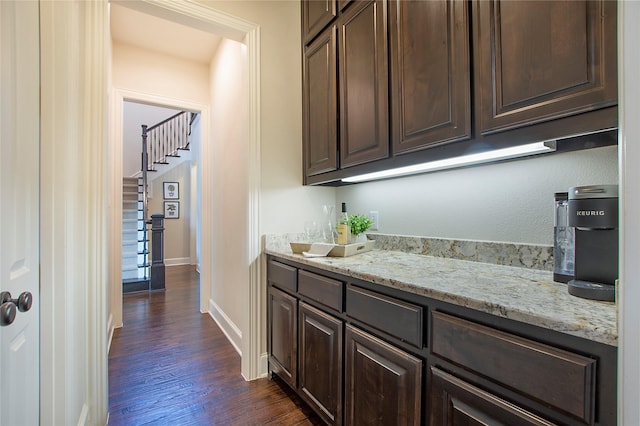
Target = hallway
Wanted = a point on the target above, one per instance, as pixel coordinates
(170, 364)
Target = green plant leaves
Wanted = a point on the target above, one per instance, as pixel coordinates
(359, 223)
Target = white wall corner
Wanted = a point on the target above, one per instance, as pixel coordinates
(233, 333)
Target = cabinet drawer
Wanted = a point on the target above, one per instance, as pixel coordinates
(399, 319)
(282, 276)
(454, 401)
(555, 377)
(323, 290)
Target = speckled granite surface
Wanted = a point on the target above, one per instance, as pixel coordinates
(521, 294)
(508, 254)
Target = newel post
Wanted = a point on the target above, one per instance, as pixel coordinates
(157, 252)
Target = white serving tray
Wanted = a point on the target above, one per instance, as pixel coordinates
(338, 250)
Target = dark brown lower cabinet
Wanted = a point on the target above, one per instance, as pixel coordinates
(456, 402)
(320, 375)
(360, 354)
(383, 384)
(283, 332)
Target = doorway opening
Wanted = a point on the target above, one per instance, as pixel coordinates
(243, 330)
(168, 187)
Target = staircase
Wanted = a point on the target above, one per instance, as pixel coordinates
(164, 145)
(135, 242)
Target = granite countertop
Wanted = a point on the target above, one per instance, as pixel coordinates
(521, 294)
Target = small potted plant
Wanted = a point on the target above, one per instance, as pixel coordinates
(359, 223)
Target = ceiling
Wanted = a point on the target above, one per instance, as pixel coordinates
(148, 32)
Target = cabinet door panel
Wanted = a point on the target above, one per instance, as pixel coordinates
(316, 14)
(320, 103)
(364, 122)
(283, 332)
(541, 60)
(321, 362)
(456, 402)
(383, 384)
(430, 83)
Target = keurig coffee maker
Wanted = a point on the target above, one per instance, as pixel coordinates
(563, 240)
(593, 213)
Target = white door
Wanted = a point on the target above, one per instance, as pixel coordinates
(19, 208)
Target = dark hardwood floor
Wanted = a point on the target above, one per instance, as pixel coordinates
(171, 365)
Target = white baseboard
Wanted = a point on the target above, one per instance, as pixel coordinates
(177, 261)
(227, 326)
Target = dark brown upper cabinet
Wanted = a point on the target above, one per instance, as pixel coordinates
(430, 82)
(537, 61)
(417, 81)
(363, 83)
(320, 105)
(316, 15)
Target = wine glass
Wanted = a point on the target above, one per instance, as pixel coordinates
(328, 231)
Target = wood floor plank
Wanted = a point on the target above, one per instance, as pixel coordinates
(172, 365)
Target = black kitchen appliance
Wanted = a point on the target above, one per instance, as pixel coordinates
(593, 213)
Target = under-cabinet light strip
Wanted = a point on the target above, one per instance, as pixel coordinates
(464, 160)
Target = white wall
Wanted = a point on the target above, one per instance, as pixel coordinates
(177, 232)
(506, 202)
(196, 199)
(229, 138)
(284, 203)
(156, 74)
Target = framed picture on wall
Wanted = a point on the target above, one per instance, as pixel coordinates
(171, 191)
(172, 209)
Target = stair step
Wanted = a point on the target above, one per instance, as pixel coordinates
(135, 285)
